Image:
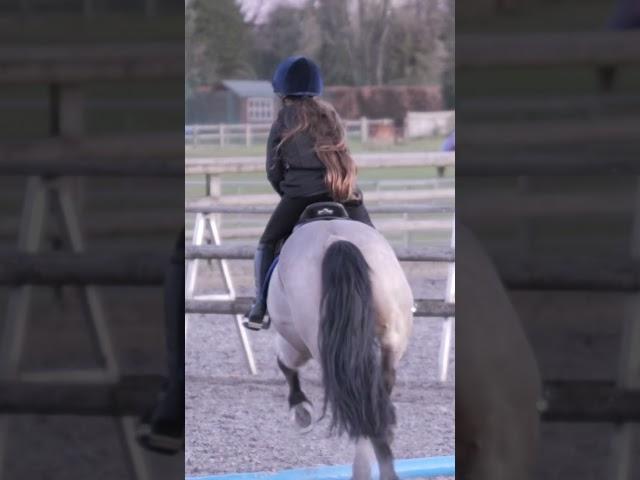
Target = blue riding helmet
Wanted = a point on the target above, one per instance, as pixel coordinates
(297, 76)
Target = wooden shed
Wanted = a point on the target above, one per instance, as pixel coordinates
(234, 101)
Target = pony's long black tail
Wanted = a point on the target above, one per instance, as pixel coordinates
(354, 388)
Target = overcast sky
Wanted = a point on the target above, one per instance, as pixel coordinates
(250, 6)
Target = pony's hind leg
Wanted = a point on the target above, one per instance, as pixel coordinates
(382, 444)
(289, 360)
(382, 448)
(363, 460)
(298, 402)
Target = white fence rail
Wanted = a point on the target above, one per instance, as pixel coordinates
(429, 124)
(417, 124)
(370, 184)
(221, 165)
(248, 134)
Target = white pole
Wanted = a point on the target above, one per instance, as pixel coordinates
(226, 276)
(448, 325)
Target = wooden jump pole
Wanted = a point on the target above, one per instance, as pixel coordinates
(246, 252)
(75, 64)
(214, 207)
(424, 307)
(130, 395)
(101, 268)
(148, 155)
(547, 49)
(219, 165)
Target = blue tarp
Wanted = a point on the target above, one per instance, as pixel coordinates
(408, 468)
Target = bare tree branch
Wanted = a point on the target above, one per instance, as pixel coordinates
(381, 44)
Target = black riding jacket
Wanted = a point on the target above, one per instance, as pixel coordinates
(294, 170)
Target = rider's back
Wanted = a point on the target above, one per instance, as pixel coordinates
(304, 174)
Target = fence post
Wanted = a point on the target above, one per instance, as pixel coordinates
(67, 110)
(364, 130)
(214, 189)
(248, 134)
(221, 128)
(405, 217)
(194, 136)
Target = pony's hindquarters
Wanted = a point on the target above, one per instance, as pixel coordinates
(349, 303)
(497, 379)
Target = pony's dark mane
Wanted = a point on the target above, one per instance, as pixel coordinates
(350, 356)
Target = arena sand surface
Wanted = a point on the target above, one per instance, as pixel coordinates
(236, 422)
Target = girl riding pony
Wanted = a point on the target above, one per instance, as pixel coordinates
(307, 162)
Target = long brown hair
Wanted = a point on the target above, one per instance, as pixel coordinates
(321, 121)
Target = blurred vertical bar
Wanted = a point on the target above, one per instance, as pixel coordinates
(547, 183)
(91, 200)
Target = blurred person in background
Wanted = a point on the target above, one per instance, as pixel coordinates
(162, 429)
(449, 144)
(626, 16)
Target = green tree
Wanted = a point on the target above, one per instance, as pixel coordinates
(363, 42)
(279, 37)
(218, 42)
(371, 21)
(417, 53)
(449, 74)
(336, 54)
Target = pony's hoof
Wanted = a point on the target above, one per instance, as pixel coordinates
(302, 416)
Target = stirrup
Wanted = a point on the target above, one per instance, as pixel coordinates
(262, 324)
(259, 323)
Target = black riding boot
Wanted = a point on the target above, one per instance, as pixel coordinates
(262, 261)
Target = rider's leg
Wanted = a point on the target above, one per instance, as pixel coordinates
(280, 225)
(163, 429)
(263, 259)
(359, 213)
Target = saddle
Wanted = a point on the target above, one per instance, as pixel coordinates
(314, 212)
(323, 211)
